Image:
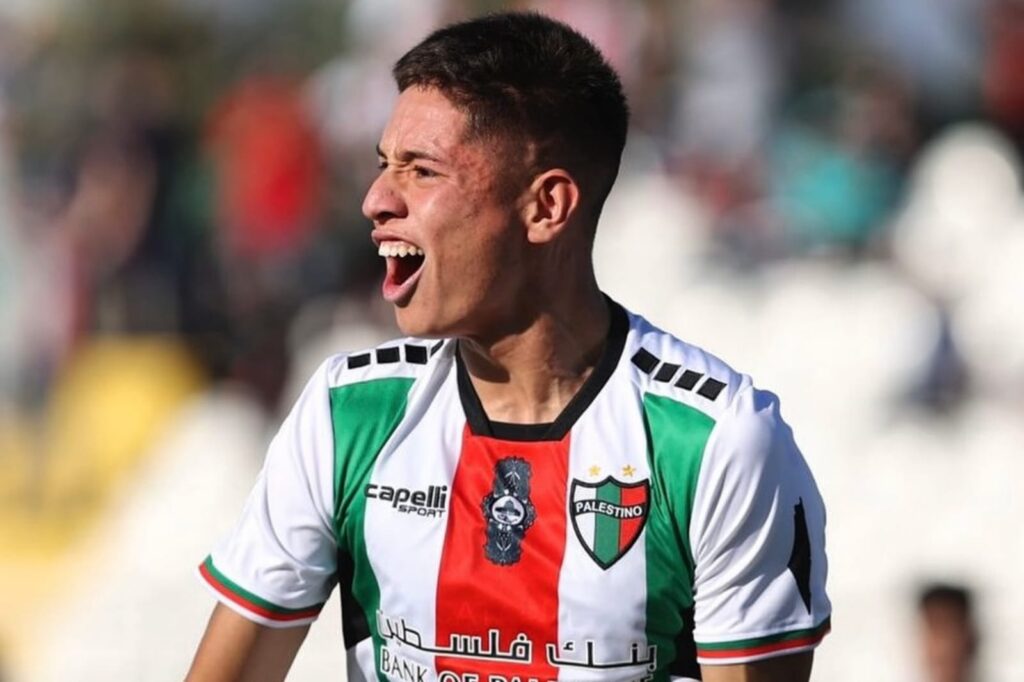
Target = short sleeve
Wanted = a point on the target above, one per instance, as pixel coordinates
(277, 566)
(758, 539)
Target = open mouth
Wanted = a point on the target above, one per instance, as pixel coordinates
(404, 264)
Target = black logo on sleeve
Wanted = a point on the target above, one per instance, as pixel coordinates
(800, 559)
(508, 511)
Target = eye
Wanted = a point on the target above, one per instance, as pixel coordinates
(422, 172)
(381, 164)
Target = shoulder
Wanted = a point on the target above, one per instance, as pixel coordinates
(665, 366)
(404, 358)
(366, 385)
(690, 383)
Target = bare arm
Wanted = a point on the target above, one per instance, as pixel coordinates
(792, 668)
(234, 648)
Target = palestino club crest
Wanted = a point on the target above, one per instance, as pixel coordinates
(508, 511)
(608, 516)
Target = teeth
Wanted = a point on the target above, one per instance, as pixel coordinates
(396, 249)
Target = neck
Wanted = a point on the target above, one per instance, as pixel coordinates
(528, 376)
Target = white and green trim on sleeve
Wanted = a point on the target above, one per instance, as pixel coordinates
(778, 644)
(251, 605)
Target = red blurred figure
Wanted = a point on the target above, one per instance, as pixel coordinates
(1003, 79)
(268, 166)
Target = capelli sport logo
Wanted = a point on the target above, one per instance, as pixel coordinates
(431, 502)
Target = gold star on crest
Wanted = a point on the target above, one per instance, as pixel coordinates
(594, 470)
(628, 471)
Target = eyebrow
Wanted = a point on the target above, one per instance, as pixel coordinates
(408, 155)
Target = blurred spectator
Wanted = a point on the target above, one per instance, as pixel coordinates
(949, 635)
(937, 46)
(269, 196)
(269, 171)
(728, 79)
(837, 161)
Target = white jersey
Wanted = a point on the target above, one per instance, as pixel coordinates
(664, 520)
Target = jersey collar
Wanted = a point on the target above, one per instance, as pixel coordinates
(481, 425)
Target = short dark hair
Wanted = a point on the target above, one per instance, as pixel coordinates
(945, 594)
(527, 78)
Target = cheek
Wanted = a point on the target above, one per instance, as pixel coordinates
(467, 232)
(467, 229)
(471, 260)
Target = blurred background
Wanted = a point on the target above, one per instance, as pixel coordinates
(826, 193)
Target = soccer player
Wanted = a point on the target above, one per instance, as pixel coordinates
(536, 484)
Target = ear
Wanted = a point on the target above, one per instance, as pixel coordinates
(550, 203)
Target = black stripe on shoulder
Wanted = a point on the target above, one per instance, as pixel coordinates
(666, 372)
(411, 353)
(415, 354)
(645, 361)
(436, 347)
(386, 356)
(688, 380)
(710, 388)
(356, 361)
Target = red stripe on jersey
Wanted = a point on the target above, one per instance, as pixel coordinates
(630, 527)
(476, 595)
(280, 614)
(769, 648)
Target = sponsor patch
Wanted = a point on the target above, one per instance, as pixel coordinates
(608, 516)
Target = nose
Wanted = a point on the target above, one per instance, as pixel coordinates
(383, 201)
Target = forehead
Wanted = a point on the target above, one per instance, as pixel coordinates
(424, 120)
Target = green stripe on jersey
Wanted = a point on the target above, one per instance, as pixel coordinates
(676, 437)
(814, 633)
(363, 416)
(255, 599)
(606, 528)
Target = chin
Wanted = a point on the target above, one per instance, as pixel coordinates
(415, 323)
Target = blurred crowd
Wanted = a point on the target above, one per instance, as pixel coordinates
(181, 181)
(174, 168)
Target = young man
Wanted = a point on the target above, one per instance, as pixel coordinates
(553, 489)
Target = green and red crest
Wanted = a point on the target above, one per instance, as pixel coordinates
(608, 516)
